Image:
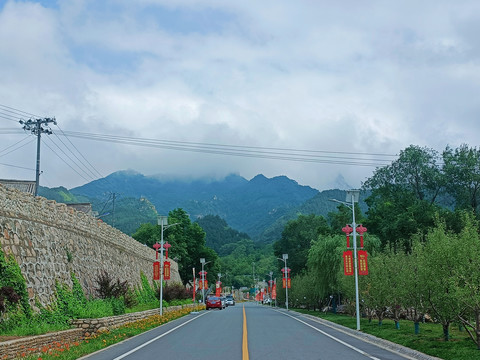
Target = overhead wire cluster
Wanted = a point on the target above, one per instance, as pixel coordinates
(61, 145)
(297, 155)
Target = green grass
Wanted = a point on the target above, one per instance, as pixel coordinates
(430, 340)
(101, 341)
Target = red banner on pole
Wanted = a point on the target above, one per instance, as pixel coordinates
(348, 262)
(274, 291)
(218, 288)
(156, 270)
(166, 270)
(193, 285)
(362, 262)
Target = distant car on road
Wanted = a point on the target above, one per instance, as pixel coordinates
(229, 300)
(214, 302)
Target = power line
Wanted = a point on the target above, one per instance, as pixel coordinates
(19, 147)
(86, 160)
(68, 157)
(298, 155)
(18, 112)
(84, 178)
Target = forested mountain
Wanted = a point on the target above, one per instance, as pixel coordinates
(258, 208)
(247, 205)
(321, 204)
(219, 236)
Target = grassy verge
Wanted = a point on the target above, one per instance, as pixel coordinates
(429, 341)
(100, 341)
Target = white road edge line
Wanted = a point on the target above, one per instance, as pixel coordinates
(333, 337)
(155, 339)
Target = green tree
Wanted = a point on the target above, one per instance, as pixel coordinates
(188, 246)
(403, 196)
(414, 292)
(440, 260)
(324, 264)
(297, 238)
(462, 168)
(343, 216)
(467, 277)
(147, 234)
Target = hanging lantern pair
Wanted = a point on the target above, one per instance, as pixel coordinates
(286, 282)
(348, 255)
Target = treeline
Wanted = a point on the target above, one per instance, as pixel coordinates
(423, 243)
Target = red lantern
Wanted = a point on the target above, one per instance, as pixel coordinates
(156, 246)
(156, 270)
(362, 262)
(361, 229)
(166, 270)
(286, 278)
(348, 262)
(347, 230)
(166, 246)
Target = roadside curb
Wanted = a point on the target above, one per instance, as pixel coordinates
(413, 354)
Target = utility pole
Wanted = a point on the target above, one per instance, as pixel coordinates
(35, 126)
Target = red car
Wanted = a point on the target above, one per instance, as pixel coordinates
(215, 302)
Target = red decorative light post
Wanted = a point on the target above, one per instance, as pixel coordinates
(286, 278)
(166, 263)
(348, 262)
(218, 286)
(347, 230)
(156, 264)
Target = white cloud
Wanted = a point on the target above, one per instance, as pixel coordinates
(369, 77)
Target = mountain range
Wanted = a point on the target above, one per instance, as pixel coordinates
(259, 207)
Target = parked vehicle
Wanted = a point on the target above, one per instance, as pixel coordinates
(214, 302)
(229, 300)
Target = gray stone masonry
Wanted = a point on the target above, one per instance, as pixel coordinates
(49, 240)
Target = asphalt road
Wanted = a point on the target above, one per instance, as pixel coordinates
(247, 331)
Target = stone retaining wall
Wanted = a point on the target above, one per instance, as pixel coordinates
(35, 344)
(50, 240)
(91, 326)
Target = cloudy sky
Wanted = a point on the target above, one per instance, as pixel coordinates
(350, 83)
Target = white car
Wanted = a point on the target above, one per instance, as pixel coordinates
(229, 300)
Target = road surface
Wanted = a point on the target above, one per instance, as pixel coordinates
(247, 332)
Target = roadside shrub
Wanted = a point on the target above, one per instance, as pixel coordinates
(174, 291)
(11, 276)
(7, 293)
(118, 305)
(145, 294)
(108, 288)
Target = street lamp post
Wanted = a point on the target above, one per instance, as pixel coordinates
(202, 261)
(163, 223)
(353, 196)
(270, 287)
(284, 259)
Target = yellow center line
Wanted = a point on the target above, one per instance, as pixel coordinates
(245, 337)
